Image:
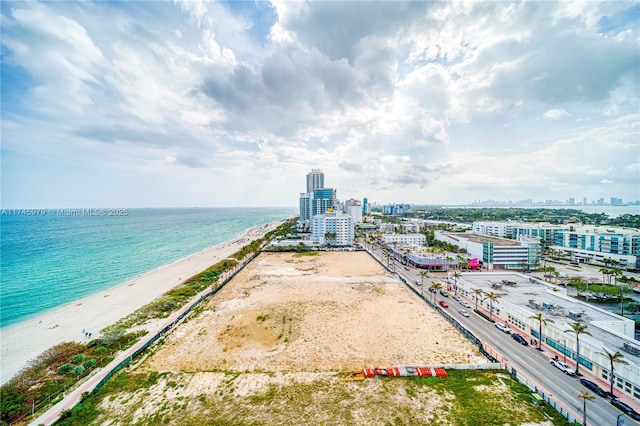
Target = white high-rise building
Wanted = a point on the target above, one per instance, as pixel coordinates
(315, 180)
(353, 208)
(305, 206)
(333, 228)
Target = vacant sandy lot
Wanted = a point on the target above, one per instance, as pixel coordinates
(267, 349)
(332, 311)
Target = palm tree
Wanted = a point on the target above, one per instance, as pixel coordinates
(478, 293)
(436, 286)
(388, 256)
(330, 237)
(542, 321)
(579, 329)
(456, 276)
(492, 297)
(605, 272)
(615, 272)
(613, 357)
(585, 396)
(622, 300)
(422, 275)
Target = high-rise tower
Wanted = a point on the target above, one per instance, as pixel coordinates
(315, 180)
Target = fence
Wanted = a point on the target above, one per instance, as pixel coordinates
(174, 322)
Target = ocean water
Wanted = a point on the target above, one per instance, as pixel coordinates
(51, 257)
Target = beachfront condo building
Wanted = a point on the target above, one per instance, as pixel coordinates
(333, 228)
(305, 207)
(592, 244)
(315, 180)
(323, 200)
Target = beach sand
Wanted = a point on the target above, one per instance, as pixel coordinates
(24, 341)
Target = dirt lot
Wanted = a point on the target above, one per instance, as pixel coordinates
(268, 348)
(333, 311)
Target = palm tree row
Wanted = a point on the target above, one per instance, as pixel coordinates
(610, 273)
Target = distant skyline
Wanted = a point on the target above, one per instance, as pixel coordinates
(214, 104)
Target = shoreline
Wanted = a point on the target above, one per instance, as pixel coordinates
(24, 341)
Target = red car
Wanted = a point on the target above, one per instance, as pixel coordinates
(443, 304)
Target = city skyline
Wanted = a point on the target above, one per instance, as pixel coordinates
(216, 104)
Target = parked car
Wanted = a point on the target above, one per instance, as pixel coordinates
(443, 304)
(518, 338)
(463, 312)
(593, 387)
(503, 327)
(625, 409)
(562, 366)
(418, 282)
(444, 293)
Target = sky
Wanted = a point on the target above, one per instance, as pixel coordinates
(216, 104)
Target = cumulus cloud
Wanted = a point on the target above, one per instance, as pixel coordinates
(415, 101)
(555, 114)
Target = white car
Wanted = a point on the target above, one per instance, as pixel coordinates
(465, 304)
(563, 367)
(503, 327)
(463, 312)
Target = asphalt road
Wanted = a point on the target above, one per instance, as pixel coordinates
(526, 360)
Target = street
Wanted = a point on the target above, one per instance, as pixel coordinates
(525, 360)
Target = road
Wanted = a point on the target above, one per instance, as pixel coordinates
(526, 360)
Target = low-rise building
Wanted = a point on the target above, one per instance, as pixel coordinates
(404, 239)
(521, 298)
(593, 244)
(495, 252)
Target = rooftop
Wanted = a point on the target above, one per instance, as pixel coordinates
(475, 238)
(537, 296)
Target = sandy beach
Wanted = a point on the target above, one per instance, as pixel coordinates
(24, 341)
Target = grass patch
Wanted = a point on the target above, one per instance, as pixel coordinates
(469, 398)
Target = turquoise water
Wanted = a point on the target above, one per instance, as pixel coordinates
(52, 259)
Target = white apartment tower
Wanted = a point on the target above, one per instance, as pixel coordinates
(315, 180)
(353, 208)
(333, 228)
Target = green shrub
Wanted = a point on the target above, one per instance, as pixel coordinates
(78, 370)
(13, 404)
(78, 359)
(90, 363)
(65, 369)
(93, 343)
